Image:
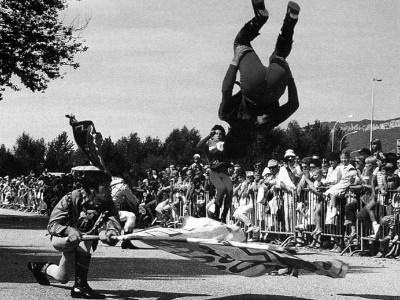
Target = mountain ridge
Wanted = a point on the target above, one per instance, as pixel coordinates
(388, 131)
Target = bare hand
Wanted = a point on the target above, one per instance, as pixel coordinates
(108, 237)
(240, 51)
(73, 235)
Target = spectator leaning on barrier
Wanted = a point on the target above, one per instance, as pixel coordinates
(367, 214)
(332, 177)
(347, 176)
(245, 194)
(83, 211)
(292, 165)
(359, 190)
(270, 174)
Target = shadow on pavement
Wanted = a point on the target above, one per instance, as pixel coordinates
(259, 297)
(372, 296)
(139, 294)
(14, 262)
(9, 221)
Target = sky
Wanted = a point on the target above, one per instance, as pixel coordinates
(153, 66)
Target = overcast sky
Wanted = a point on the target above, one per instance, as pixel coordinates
(153, 66)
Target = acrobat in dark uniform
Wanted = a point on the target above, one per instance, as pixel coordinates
(256, 107)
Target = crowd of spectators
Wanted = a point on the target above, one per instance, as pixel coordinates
(326, 202)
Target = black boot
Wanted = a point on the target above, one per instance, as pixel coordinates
(285, 39)
(259, 9)
(249, 32)
(81, 288)
(127, 244)
(38, 270)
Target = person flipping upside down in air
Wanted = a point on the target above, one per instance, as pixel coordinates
(256, 108)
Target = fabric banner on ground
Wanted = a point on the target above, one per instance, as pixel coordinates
(223, 247)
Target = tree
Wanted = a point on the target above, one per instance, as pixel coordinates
(35, 44)
(59, 154)
(30, 153)
(267, 145)
(294, 139)
(317, 138)
(181, 145)
(79, 159)
(131, 150)
(115, 160)
(9, 165)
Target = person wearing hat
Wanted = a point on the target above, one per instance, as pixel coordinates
(91, 211)
(255, 108)
(293, 167)
(214, 148)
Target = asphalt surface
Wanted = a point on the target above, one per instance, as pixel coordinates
(149, 273)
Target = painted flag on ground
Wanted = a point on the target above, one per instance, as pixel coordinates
(223, 247)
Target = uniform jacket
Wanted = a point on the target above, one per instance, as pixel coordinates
(84, 212)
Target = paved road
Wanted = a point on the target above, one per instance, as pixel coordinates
(149, 273)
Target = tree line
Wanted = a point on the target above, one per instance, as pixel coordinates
(60, 155)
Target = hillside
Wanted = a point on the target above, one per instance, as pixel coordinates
(387, 131)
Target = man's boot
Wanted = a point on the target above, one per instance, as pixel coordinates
(127, 244)
(259, 10)
(81, 288)
(285, 39)
(251, 29)
(38, 270)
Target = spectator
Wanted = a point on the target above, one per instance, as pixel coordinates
(376, 149)
(292, 166)
(367, 214)
(245, 196)
(347, 175)
(196, 165)
(335, 194)
(332, 177)
(358, 190)
(272, 193)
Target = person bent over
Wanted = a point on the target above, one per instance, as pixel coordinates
(86, 211)
(255, 108)
(127, 205)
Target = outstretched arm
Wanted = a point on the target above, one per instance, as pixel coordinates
(229, 81)
(288, 109)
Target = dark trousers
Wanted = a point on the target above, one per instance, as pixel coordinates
(224, 188)
(253, 73)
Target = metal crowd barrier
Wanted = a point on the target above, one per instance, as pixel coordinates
(288, 216)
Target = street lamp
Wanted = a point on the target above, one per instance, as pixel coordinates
(341, 140)
(333, 132)
(372, 109)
